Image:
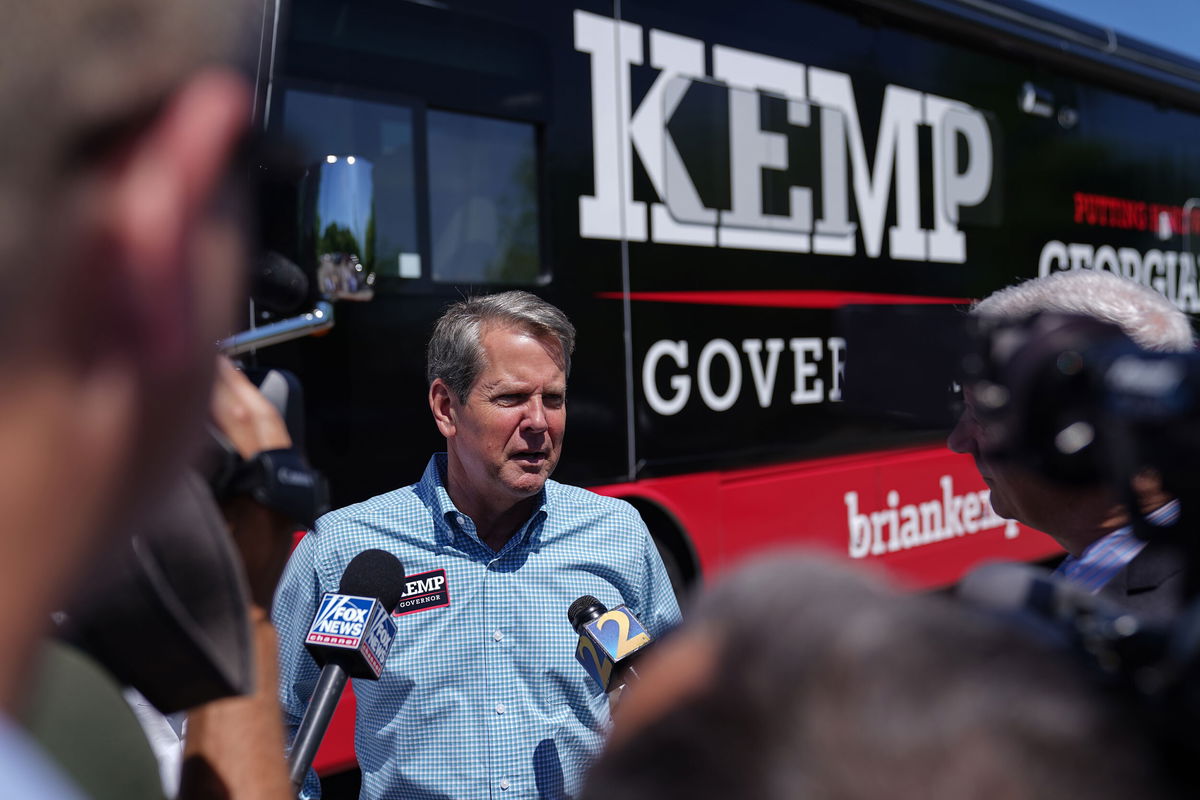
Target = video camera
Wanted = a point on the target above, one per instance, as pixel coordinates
(1075, 401)
(1069, 397)
(302, 272)
(165, 612)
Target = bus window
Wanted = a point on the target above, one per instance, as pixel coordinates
(365, 154)
(483, 200)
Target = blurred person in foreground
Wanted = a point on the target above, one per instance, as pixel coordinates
(1091, 523)
(121, 243)
(797, 678)
(481, 694)
(132, 621)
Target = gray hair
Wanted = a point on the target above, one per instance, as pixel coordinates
(828, 684)
(455, 352)
(79, 77)
(1146, 316)
(74, 67)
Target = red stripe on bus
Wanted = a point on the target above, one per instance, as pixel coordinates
(786, 299)
(729, 515)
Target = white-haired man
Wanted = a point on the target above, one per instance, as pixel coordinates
(1090, 522)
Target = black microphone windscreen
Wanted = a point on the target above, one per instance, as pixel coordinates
(1002, 586)
(584, 610)
(165, 611)
(1008, 586)
(374, 573)
(278, 285)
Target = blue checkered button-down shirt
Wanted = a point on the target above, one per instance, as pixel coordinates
(1101, 560)
(483, 697)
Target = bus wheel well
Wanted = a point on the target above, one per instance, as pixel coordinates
(679, 557)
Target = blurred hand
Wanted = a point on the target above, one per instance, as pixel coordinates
(253, 424)
(244, 415)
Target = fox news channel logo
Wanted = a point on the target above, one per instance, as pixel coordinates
(340, 620)
(381, 630)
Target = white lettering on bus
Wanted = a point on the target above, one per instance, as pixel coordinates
(1170, 272)
(808, 356)
(902, 527)
(960, 137)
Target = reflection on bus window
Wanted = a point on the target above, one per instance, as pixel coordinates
(362, 175)
(482, 199)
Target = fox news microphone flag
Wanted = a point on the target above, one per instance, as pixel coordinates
(608, 641)
(349, 637)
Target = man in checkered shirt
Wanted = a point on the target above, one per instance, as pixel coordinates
(481, 695)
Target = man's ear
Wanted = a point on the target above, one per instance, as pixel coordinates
(442, 404)
(163, 186)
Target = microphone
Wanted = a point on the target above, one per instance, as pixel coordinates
(349, 637)
(1012, 586)
(1115, 637)
(278, 285)
(608, 641)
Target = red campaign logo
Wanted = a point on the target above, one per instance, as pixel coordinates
(1120, 213)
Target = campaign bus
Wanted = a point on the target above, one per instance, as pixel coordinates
(700, 187)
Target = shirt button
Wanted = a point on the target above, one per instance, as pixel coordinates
(498, 635)
(504, 783)
(499, 708)
(461, 519)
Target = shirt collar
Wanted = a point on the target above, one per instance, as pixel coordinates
(432, 487)
(1104, 558)
(1161, 517)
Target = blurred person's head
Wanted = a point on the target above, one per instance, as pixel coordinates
(120, 250)
(798, 678)
(1074, 516)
